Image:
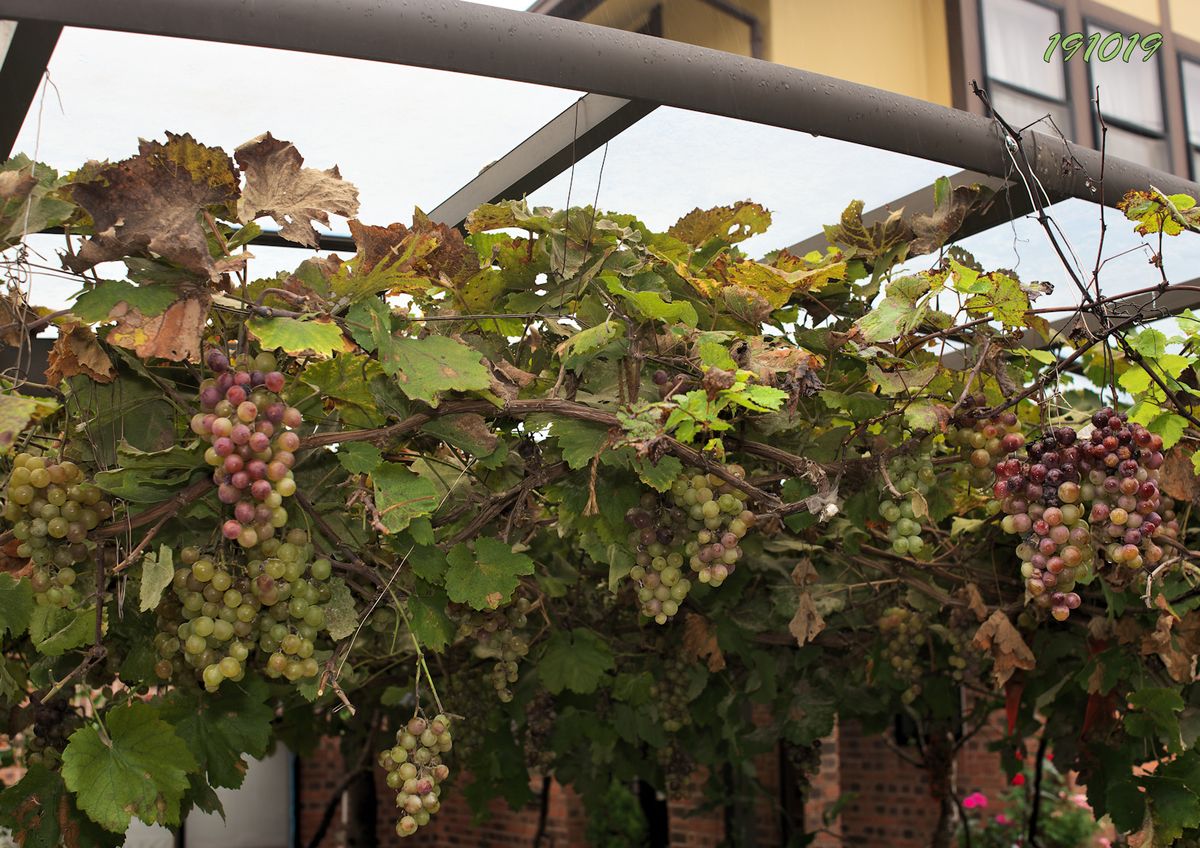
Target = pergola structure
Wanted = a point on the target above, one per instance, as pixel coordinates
(627, 75)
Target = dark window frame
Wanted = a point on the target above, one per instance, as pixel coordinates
(989, 82)
(1187, 55)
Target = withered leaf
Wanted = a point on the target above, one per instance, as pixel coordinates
(975, 602)
(998, 637)
(150, 204)
(700, 641)
(951, 210)
(1177, 477)
(78, 351)
(173, 335)
(1161, 642)
(277, 185)
(807, 623)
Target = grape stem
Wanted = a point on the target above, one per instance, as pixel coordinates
(141, 546)
(422, 666)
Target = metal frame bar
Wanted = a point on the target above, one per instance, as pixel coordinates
(466, 38)
(24, 64)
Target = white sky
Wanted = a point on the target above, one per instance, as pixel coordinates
(410, 137)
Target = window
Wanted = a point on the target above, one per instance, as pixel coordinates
(1131, 103)
(1023, 88)
(1191, 108)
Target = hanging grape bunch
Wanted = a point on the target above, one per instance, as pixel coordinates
(52, 508)
(53, 723)
(252, 446)
(670, 693)
(904, 634)
(416, 771)
(540, 720)
(984, 440)
(499, 635)
(912, 479)
(701, 522)
(221, 614)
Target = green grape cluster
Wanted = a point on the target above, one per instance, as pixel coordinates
(499, 635)
(670, 693)
(222, 615)
(701, 521)
(984, 440)
(416, 771)
(912, 478)
(51, 508)
(904, 632)
(677, 766)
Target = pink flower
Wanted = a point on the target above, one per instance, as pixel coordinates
(1081, 801)
(1105, 842)
(975, 799)
(1002, 819)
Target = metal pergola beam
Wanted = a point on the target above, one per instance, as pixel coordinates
(463, 37)
(24, 64)
(579, 129)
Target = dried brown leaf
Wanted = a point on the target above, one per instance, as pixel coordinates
(1177, 477)
(78, 351)
(700, 641)
(975, 602)
(807, 623)
(1178, 663)
(150, 204)
(173, 335)
(998, 637)
(278, 186)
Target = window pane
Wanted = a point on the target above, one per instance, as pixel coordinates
(1021, 110)
(1137, 148)
(1016, 34)
(1191, 99)
(1195, 163)
(1131, 92)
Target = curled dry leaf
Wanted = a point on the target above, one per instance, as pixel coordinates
(998, 637)
(150, 205)
(975, 601)
(78, 351)
(173, 335)
(700, 641)
(807, 623)
(1177, 477)
(294, 196)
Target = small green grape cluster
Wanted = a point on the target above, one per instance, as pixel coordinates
(913, 480)
(904, 632)
(221, 611)
(499, 635)
(701, 522)
(416, 771)
(670, 693)
(52, 507)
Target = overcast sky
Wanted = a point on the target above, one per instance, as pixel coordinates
(410, 137)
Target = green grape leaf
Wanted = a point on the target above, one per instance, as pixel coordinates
(486, 578)
(427, 615)
(293, 335)
(1149, 342)
(401, 496)
(651, 304)
(97, 303)
(341, 614)
(220, 727)
(359, 457)
(345, 384)
(575, 660)
(29, 199)
(583, 347)
(1170, 426)
(579, 441)
(138, 768)
(157, 574)
(658, 477)
(425, 368)
(469, 431)
(1135, 381)
(41, 813)
(1126, 805)
(1004, 301)
(16, 604)
(16, 411)
(55, 631)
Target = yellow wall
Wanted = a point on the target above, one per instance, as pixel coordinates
(621, 14)
(698, 23)
(1146, 10)
(897, 45)
(1185, 18)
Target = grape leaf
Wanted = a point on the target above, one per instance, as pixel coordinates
(998, 637)
(219, 727)
(97, 303)
(658, 476)
(55, 631)
(425, 368)
(1170, 426)
(729, 224)
(427, 615)
(78, 351)
(582, 347)
(16, 604)
(1004, 301)
(345, 385)
(139, 768)
(401, 495)
(293, 196)
(579, 441)
(341, 615)
(157, 574)
(293, 335)
(16, 411)
(42, 814)
(486, 578)
(1135, 380)
(359, 457)
(575, 660)
(29, 199)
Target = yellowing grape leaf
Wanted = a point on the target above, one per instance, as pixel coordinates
(858, 240)
(77, 351)
(1004, 301)
(1155, 212)
(174, 334)
(730, 224)
(150, 205)
(425, 368)
(138, 768)
(277, 185)
(296, 335)
(157, 572)
(487, 577)
(16, 411)
(29, 201)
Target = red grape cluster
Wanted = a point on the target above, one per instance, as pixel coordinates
(985, 440)
(416, 771)
(1072, 498)
(252, 446)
